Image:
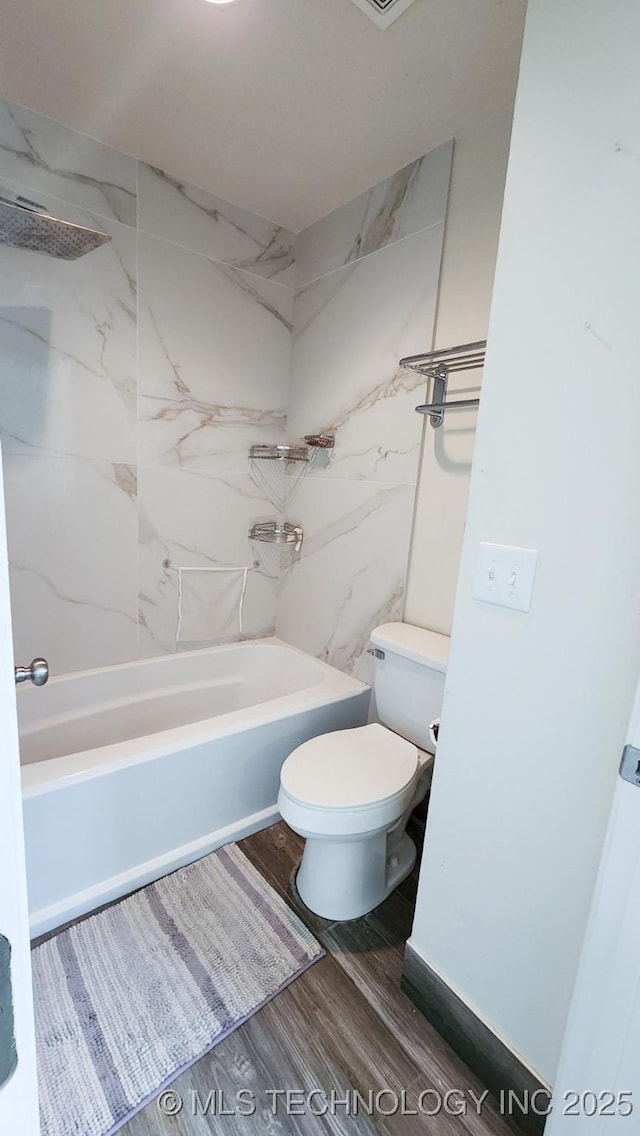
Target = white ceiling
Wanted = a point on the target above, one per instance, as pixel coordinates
(286, 107)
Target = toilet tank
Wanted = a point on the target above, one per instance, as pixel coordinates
(409, 679)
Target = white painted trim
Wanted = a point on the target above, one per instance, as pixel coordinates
(19, 1096)
(599, 1054)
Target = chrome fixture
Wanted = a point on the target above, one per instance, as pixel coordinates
(280, 453)
(320, 441)
(38, 672)
(275, 532)
(630, 765)
(438, 365)
(26, 225)
(376, 652)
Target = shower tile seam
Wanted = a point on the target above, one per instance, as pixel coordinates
(33, 192)
(214, 259)
(213, 471)
(302, 287)
(50, 456)
(312, 479)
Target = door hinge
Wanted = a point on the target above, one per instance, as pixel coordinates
(630, 765)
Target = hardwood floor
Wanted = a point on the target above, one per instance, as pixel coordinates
(343, 1027)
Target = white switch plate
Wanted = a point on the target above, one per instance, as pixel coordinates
(505, 575)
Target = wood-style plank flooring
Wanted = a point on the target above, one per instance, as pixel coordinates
(343, 1026)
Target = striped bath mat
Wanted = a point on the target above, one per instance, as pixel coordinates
(126, 1000)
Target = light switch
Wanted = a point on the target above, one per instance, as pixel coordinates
(505, 575)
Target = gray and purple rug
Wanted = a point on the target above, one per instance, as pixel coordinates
(128, 999)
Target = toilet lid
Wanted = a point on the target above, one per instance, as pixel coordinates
(350, 768)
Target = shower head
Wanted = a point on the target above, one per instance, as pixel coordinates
(27, 225)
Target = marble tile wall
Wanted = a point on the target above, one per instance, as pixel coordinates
(132, 382)
(368, 279)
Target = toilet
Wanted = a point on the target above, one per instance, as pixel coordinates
(350, 793)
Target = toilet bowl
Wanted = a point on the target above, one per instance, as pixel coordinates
(350, 793)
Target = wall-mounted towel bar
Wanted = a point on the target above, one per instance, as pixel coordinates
(226, 609)
(438, 365)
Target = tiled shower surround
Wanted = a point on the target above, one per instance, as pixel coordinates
(134, 380)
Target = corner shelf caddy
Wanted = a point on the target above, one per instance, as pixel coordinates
(277, 532)
(283, 532)
(279, 453)
(438, 365)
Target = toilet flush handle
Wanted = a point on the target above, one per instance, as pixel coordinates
(376, 652)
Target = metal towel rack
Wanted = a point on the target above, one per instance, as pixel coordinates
(438, 365)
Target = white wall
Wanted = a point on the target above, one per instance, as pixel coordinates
(537, 704)
(466, 283)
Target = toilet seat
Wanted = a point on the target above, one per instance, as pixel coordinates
(349, 781)
(350, 768)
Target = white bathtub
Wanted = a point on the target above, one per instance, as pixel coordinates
(132, 771)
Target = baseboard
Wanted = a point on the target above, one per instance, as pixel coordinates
(522, 1098)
